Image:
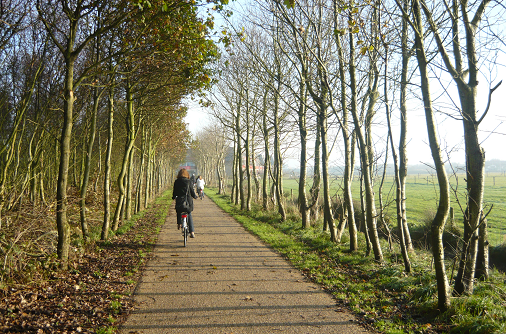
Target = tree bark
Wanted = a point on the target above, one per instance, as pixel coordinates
(315, 187)
(267, 158)
(87, 163)
(130, 125)
(365, 151)
(62, 224)
(278, 163)
(398, 182)
(107, 169)
(248, 154)
(349, 213)
(239, 155)
(403, 157)
(482, 259)
(149, 166)
(140, 175)
(129, 185)
(437, 226)
(302, 200)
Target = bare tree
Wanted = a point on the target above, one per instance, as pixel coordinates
(364, 138)
(438, 224)
(465, 65)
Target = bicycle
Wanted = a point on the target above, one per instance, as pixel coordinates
(201, 193)
(184, 226)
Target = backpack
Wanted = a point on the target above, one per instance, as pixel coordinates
(182, 204)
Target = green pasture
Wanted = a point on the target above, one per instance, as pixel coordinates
(422, 198)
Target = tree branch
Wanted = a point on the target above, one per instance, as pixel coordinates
(488, 103)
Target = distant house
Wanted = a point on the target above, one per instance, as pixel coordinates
(229, 158)
(190, 167)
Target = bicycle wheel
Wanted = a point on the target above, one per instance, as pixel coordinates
(184, 218)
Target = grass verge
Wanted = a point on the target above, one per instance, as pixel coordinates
(382, 295)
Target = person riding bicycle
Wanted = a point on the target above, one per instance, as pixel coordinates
(192, 180)
(182, 188)
(200, 185)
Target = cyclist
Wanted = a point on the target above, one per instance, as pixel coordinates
(200, 186)
(182, 188)
(192, 180)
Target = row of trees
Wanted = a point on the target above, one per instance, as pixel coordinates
(339, 74)
(91, 99)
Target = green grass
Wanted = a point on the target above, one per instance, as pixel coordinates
(382, 295)
(422, 196)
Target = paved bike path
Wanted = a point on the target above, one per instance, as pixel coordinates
(227, 281)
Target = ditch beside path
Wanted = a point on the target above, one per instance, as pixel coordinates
(227, 281)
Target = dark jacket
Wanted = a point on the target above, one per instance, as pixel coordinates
(179, 190)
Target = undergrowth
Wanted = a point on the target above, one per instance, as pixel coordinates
(94, 294)
(383, 295)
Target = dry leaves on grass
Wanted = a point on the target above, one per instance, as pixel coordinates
(93, 295)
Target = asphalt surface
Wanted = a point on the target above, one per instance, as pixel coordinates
(227, 281)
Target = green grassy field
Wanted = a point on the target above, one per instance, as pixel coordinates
(422, 195)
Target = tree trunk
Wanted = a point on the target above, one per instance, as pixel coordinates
(235, 177)
(219, 176)
(315, 187)
(403, 158)
(302, 200)
(366, 163)
(140, 176)
(87, 163)
(254, 167)
(41, 181)
(99, 163)
(278, 163)
(248, 155)
(61, 192)
(398, 182)
(107, 169)
(129, 185)
(327, 209)
(437, 226)
(349, 212)
(130, 125)
(482, 262)
(149, 164)
(381, 204)
(363, 216)
(34, 156)
(267, 158)
(239, 157)
(475, 181)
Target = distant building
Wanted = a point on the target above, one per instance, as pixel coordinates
(190, 167)
(229, 158)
